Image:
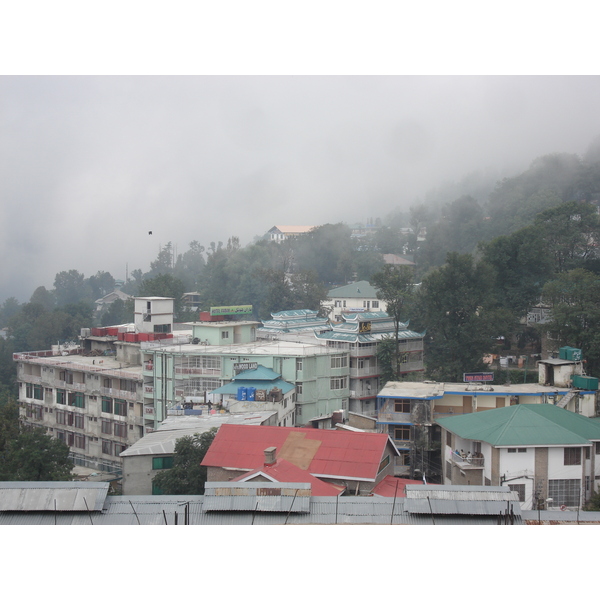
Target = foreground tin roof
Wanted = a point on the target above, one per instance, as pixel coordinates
(52, 495)
(180, 510)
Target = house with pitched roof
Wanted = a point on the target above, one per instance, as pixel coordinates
(548, 455)
(356, 461)
(359, 296)
(279, 233)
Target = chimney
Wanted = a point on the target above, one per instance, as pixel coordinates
(270, 456)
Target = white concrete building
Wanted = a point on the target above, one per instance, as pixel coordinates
(549, 455)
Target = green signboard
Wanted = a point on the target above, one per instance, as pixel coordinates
(231, 310)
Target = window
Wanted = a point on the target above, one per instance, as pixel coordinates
(338, 303)
(338, 383)
(564, 491)
(66, 377)
(166, 328)
(119, 448)
(375, 304)
(121, 430)
(597, 447)
(106, 427)
(38, 392)
(120, 407)
(299, 389)
(79, 441)
(106, 447)
(448, 470)
(128, 385)
(61, 397)
(78, 421)
(162, 462)
(224, 335)
(106, 382)
(106, 404)
(520, 489)
(402, 432)
(448, 439)
(60, 417)
(384, 463)
(60, 435)
(76, 399)
(29, 390)
(298, 364)
(517, 450)
(337, 362)
(572, 457)
(402, 406)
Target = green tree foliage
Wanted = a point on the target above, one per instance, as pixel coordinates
(165, 286)
(367, 263)
(327, 251)
(387, 359)
(43, 297)
(521, 266)
(549, 180)
(574, 299)
(70, 288)
(461, 226)
(593, 503)
(189, 266)
(118, 312)
(395, 286)
(186, 476)
(10, 307)
(570, 232)
(456, 306)
(101, 284)
(28, 454)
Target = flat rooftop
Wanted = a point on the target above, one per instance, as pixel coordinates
(93, 364)
(414, 389)
(260, 347)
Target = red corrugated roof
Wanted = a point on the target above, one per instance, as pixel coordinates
(285, 472)
(391, 486)
(321, 452)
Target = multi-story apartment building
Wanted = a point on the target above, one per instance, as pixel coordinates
(360, 335)
(91, 395)
(174, 374)
(93, 403)
(407, 411)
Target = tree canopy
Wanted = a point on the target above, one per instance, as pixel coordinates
(28, 453)
(186, 476)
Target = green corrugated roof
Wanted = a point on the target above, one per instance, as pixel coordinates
(359, 289)
(524, 425)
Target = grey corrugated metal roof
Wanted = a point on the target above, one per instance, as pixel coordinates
(52, 495)
(155, 510)
(257, 496)
(461, 500)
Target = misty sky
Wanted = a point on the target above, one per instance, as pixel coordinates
(89, 165)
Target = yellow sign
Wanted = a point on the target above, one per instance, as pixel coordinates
(364, 327)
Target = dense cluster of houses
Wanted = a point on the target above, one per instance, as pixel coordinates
(297, 401)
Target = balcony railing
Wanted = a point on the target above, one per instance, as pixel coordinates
(364, 371)
(179, 370)
(465, 462)
(394, 417)
(30, 378)
(116, 393)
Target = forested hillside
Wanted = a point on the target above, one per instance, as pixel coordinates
(482, 259)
